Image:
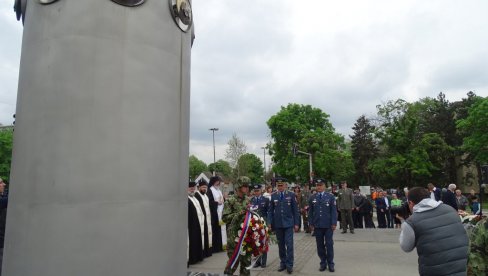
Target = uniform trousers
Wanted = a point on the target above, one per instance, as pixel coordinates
(285, 246)
(346, 218)
(325, 246)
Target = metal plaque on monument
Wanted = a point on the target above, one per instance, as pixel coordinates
(100, 159)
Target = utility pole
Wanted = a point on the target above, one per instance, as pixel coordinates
(213, 139)
(295, 151)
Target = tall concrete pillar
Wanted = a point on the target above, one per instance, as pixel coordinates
(100, 159)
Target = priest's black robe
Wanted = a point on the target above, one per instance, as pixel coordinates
(207, 250)
(195, 253)
(216, 229)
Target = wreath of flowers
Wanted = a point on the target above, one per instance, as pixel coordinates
(256, 237)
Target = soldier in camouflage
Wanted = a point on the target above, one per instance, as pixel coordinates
(478, 253)
(234, 210)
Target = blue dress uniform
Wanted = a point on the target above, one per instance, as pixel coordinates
(262, 205)
(322, 214)
(283, 216)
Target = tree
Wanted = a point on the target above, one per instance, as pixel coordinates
(196, 166)
(403, 158)
(221, 166)
(6, 141)
(476, 128)
(309, 128)
(236, 149)
(251, 166)
(364, 148)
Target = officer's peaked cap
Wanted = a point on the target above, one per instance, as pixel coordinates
(319, 181)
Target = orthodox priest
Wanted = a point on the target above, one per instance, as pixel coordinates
(201, 196)
(196, 221)
(216, 202)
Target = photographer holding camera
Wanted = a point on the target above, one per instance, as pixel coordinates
(438, 234)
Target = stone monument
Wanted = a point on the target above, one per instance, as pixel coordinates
(100, 160)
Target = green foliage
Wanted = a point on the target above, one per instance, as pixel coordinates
(310, 129)
(419, 142)
(476, 128)
(404, 159)
(196, 166)
(6, 141)
(251, 166)
(221, 166)
(364, 148)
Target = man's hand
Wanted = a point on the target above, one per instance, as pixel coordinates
(270, 228)
(296, 228)
(311, 228)
(334, 227)
(400, 218)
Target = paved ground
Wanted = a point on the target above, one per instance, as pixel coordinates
(367, 252)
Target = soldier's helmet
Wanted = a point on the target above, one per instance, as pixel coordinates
(243, 181)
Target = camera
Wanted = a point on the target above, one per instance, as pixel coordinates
(402, 210)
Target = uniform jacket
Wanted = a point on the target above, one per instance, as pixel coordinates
(345, 199)
(233, 215)
(322, 212)
(262, 203)
(283, 213)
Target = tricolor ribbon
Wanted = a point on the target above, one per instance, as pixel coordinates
(238, 249)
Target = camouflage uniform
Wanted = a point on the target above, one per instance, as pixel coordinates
(234, 210)
(478, 252)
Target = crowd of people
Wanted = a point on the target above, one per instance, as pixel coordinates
(214, 221)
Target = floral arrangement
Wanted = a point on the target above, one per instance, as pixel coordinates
(477, 228)
(252, 239)
(256, 236)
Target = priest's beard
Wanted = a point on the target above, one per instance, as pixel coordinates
(191, 193)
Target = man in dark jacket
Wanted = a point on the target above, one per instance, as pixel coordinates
(430, 223)
(449, 197)
(435, 193)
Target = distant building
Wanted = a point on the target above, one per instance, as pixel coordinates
(226, 187)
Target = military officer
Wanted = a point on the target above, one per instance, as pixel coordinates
(283, 217)
(233, 215)
(346, 204)
(322, 215)
(261, 204)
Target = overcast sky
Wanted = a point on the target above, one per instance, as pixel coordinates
(251, 57)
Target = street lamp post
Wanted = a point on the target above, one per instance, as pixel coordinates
(213, 139)
(264, 159)
(295, 151)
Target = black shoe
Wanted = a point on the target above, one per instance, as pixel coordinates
(281, 269)
(289, 270)
(344, 232)
(322, 268)
(331, 269)
(263, 266)
(352, 231)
